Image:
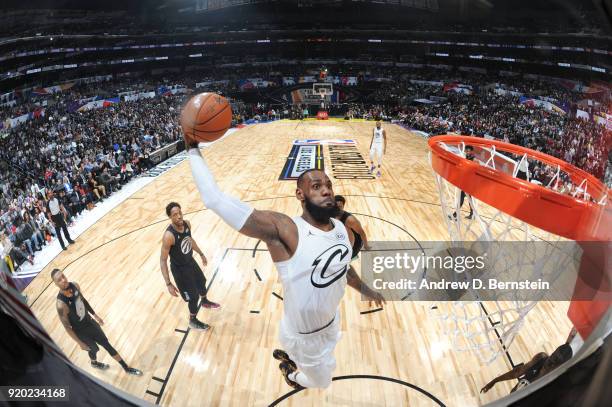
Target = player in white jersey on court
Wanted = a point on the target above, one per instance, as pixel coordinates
(312, 254)
(378, 147)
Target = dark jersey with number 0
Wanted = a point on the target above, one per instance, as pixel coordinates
(181, 252)
(77, 314)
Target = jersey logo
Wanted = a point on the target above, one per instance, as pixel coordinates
(324, 273)
(186, 245)
(339, 236)
(79, 308)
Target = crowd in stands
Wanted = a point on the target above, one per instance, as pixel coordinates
(82, 157)
(582, 143)
(85, 156)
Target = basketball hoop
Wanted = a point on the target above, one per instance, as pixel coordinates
(567, 203)
(323, 89)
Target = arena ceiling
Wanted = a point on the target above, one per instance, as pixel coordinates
(38, 36)
(466, 15)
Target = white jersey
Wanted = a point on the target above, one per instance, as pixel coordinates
(314, 278)
(378, 136)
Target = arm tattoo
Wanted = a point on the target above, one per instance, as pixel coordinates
(62, 310)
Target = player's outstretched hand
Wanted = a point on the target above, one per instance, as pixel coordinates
(189, 142)
(172, 290)
(377, 298)
(204, 260)
(487, 387)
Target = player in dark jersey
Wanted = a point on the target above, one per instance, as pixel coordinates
(350, 221)
(188, 277)
(361, 239)
(469, 154)
(540, 365)
(74, 312)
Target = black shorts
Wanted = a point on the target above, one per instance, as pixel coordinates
(91, 334)
(189, 280)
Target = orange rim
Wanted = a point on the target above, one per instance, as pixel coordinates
(564, 215)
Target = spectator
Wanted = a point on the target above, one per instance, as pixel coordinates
(37, 235)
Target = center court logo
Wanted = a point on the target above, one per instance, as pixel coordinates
(329, 266)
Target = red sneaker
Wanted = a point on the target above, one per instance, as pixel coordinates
(210, 304)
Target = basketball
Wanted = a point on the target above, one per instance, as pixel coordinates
(206, 117)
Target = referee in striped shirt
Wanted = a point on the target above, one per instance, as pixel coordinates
(56, 214)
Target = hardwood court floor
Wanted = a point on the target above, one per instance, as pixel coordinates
(116, 262)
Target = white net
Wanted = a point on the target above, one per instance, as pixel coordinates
(489, 327)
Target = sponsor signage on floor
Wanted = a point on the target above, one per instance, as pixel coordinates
(347, 162)
(301, 158)
(324, 142)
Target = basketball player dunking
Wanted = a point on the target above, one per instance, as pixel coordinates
(74, 310)
(378, 147)
(311, 254)
(188, 276)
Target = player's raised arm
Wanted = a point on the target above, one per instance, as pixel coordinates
(515, 372)
(354, 224)
(264, 225)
